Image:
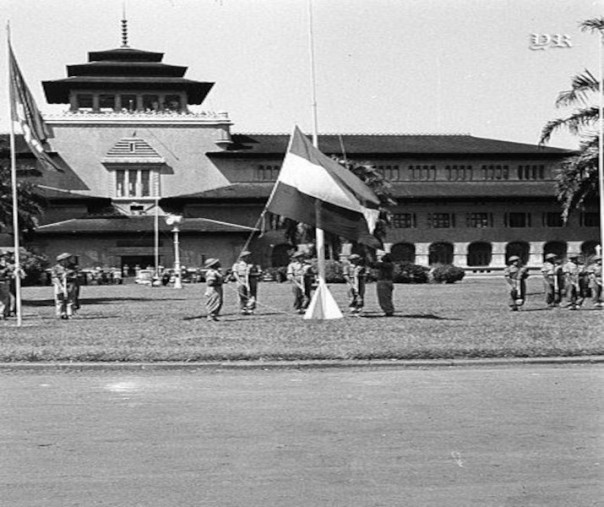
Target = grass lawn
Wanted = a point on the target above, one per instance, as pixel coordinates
(133, 323)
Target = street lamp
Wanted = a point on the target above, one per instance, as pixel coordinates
(175, 221)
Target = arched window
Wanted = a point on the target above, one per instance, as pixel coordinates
(479, 254)
(404, 252)
(440, 253)
(555, 247)
(589, 248)
(519, 248)
(280, 255)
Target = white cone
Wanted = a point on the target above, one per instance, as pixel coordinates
(323, 306)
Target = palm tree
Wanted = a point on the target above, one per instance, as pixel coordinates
(577, 180)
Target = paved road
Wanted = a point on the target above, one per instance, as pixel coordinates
(521, 436)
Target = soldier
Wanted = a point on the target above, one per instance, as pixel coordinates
(573, 272)
(516, 275)
(595, 281)
(6, 275)
(246, 275)
(65, 281)
(299, 273)
(384, 268)
(552, 280)
(355, 274)
(214, 291)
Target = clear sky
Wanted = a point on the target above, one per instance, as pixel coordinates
(382, 66)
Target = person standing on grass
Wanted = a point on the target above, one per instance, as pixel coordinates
(384, 268)
(552, 280)
(214, 292)
(6, 275)
(65, 281)
(299, 273)
(246, 275)
(355, 275)
(515, 275)
(595, 281)
(573, 272)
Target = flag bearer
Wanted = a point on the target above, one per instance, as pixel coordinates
(573, 273)
(515, 275)
(355, 274)
(552, 280)
(6, 275)
(595, 281)
(299, 274)
(246, 275)
(214, 291)
(65, 281)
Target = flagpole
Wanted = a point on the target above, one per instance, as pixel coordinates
(601, 142)
(13, 173)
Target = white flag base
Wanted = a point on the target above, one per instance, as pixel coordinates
(323, 306)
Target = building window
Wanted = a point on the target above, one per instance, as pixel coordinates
(458, 172)
(517, 219)
(390, 172)
(422, 172)
(106, 103)
(84, 102)
(479, 254)
(518, 248)
(173, 103)
(404, 221)
(531, 172)
(128, 103)
(150, 103)
(267, 172)
(552, 219)
(133, 183)
(495, 172)
(403, 252)
(441, 220)
(589, 219)
(440, 253)
(479, 220)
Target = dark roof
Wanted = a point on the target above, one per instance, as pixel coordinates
(249, 145)
(125, 55)
(126, 69)
(236, 191)
(130, 224)
(57, 194)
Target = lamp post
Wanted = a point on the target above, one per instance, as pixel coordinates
(175, 221)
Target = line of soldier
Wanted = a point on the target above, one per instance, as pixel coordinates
(571, 281)
(8, 275)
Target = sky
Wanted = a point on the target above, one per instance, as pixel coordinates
(381, 66)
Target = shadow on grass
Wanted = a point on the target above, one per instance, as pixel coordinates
(231, 317)
(96, 301)
(427, 316)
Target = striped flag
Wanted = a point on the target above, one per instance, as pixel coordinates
(316, 190)
(26, 116)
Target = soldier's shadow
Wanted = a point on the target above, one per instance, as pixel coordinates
(427, 316)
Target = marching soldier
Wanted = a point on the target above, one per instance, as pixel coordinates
(214, 291)
(355, 275)
(595, 281)
(573, 273)
(552, 280)
(65, 281)
(516, 275)
(384, 270)
(246, 275)
(6, 275)
(299, 273)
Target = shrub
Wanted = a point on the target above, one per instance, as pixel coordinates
(34, 267)
(447, 273)
(407, 272)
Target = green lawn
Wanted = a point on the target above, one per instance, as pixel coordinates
(465, 320)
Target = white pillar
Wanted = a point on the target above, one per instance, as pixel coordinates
(460, 254)
(498, 254)
(535, 259)
(422, 254)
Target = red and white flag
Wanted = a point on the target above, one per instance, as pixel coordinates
(25, 115)
(316, 190)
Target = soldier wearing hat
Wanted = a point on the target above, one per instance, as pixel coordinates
(384, 273)
(515, 275)
(355, 274)
(214, 291)
(246, 274)
(573, 273)
(595, 280)
(299, 273)
(6, 275)
(64, 275)
(552, 280)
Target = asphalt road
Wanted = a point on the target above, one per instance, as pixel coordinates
(516, 436)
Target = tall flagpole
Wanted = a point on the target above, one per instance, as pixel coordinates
(601, 142)
(13, 172)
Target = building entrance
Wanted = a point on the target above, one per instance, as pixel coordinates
(142, 261)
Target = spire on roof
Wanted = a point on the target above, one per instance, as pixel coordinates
(124, 26)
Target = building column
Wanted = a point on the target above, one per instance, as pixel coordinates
(73, 102)
(95, 102)
(498, 255)
(388, 247)
(460, 254)
(422, 254)
(573, 247)
(535, 259)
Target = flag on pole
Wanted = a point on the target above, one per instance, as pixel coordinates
(26, 116)
(308, 178)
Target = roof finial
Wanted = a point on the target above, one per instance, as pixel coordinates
(124, 26)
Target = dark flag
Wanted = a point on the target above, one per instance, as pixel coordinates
(25, 113)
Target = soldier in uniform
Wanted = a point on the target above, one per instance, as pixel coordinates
(516, 275)
(573, 273)
(214, 291)
(6, 275)
(595, 281)
(246, 275)
(299, 273)
(355, 274)
(64, 276)
(384, 269)
(552, 280)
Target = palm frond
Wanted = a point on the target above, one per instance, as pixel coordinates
(574, 123)
(592, 25)
(582, 85)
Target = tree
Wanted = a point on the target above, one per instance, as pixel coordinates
(577, 181)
